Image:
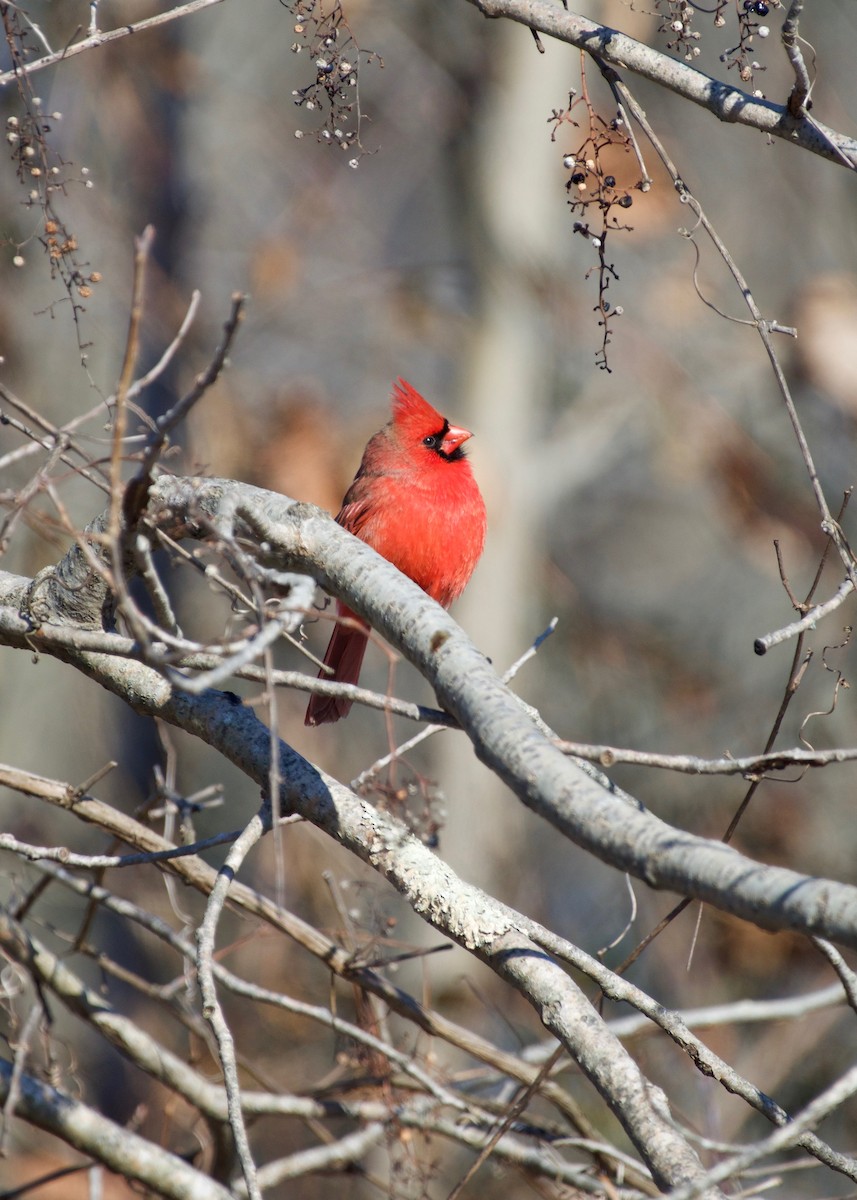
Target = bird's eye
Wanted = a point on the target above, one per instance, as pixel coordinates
(431, 441)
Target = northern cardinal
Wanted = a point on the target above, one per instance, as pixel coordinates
(415, 501)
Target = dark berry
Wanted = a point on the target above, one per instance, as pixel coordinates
(578, 177)
(625, 202)
(761, 9)
(609, 181)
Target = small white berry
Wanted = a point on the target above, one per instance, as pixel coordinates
(18, 261)
(763, 31)
(354, 162)
(569, 161)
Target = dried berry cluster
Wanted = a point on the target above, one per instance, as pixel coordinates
(595, 197)
(324, 33)
(749, 28)
(44, 174)
(677, 18)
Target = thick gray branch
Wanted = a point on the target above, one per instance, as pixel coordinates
(300, 537)
(725, 102)
(130, 1155)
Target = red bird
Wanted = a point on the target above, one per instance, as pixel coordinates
(415, 501)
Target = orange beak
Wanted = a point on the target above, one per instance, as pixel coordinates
(455, 437)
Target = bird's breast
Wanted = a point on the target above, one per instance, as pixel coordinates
(432, 530)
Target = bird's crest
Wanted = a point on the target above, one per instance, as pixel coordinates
(412, 413)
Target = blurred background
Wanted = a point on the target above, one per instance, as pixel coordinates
(638, 505)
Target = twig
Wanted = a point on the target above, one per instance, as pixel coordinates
(780, 1139)
(732, 1013)
(688, 764)
(30, 490)
(764, 328)
(763, 644)
(21, 1047)
(48, 442)
(195, 657)
(729, 104)
(250, 649)
(142, 247)
(140, 385)
(98, 862)
(322, 1160)
(847, 977)
(138, 488)
(797, 101)
(211, 1009)
(404, 1060)
(157, 592)
(126, 1153)
(102, 39)
(511, 1116)
(370, 772)
(675, 1026)
(612, 78)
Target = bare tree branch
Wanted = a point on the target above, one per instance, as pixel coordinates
(120, 1149)
(94, 40)
(724, 102)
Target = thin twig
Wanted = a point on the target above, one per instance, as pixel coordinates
(511, 1116)
(21, 1047)
(138, 490)
(142, 247)
(764, 328)
(797, 101)
(763, 644)
(847, 977)
(98, 862)
(788, 1135)
(370, 772)
(688, 764)
(611, 77)
(102, 39)
(211, 1008)
(152, 580)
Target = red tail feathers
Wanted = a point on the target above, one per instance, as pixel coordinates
(344, 657)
